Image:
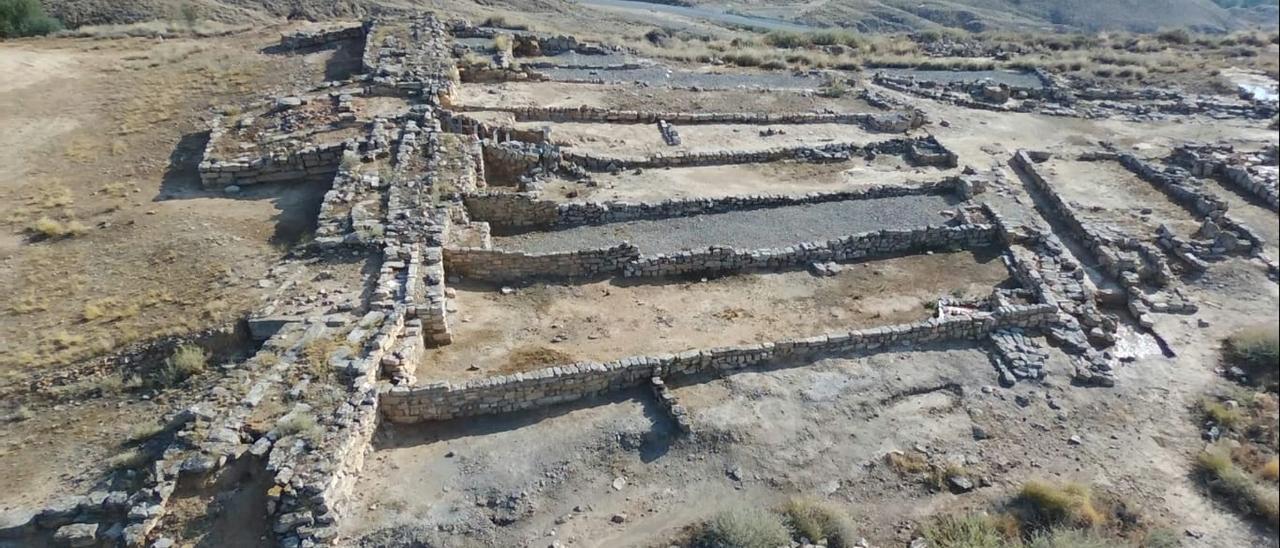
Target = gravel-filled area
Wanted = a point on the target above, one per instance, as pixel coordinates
(751, 229)
(660, 75)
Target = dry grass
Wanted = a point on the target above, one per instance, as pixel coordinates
(49, 228)
(155, 29)
(1256, 350)
(819, 522)
(1226, 480)
(744, 527)
(906, 463)
(1066, 504)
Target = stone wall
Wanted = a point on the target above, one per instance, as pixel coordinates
(506, 266)
(315, 162)
(520, 210)
(1212, 162)
(898, 122)
(315, 38)
(925, 151)
(870, 244)
(553, 385)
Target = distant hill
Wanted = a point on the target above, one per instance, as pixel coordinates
(1078, 15)
(864, 15)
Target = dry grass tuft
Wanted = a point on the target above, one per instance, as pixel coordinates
(1067, 504)
(906, 463)
(1234, 486)
(49, 228)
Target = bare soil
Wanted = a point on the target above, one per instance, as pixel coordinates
(543, 325)
(737, 180)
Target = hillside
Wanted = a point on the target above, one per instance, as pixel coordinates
(863, 15)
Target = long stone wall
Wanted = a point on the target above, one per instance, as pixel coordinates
(503, 266)
(870, 244)
(518, 210)
(924, 151)
(898, 122)
(553, 385)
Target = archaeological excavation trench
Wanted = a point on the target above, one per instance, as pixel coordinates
(487, 273)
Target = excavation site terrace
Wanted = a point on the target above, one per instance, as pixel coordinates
(555, 291)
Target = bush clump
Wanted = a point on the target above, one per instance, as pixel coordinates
(1067, 504)
(25, 18)
(968, 531)
(1256, 350)
(817, 521)
(1234, 486)
(744, 527)
(187, 360)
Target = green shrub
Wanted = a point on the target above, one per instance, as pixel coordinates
(816, 520)
(25, 18)
(744, 528)
(972, 531)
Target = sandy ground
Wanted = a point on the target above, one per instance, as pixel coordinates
(550, 324)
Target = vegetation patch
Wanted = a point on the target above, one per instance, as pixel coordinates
(1256, 351)
(25, 18)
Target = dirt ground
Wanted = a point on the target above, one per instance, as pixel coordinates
(734, 180)
(542, 325)
(628, 97)
(104, 136)
(644, 140)
(1111, 195)
(819, 430)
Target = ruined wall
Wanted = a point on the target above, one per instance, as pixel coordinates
(516, 210)
(927, 151)
(502, 266)
(897, 122)
(870, 244)
(316, 162)
(555, 385)
(316, 38)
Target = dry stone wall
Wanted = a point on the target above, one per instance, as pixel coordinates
(520, 210)
(440, 401)
(313, 162)
(897, 122)
(871, 244)
(923, 151)
(506, 266)
(317, 38)
(1208, 161)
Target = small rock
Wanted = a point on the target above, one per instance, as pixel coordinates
(506, 290)
(619, 482)
(76, 534)
(618, 518)
(231, 189)
(960, 484)
(1075, 440)
(734, 473)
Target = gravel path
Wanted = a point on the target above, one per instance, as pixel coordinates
(752, 229)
